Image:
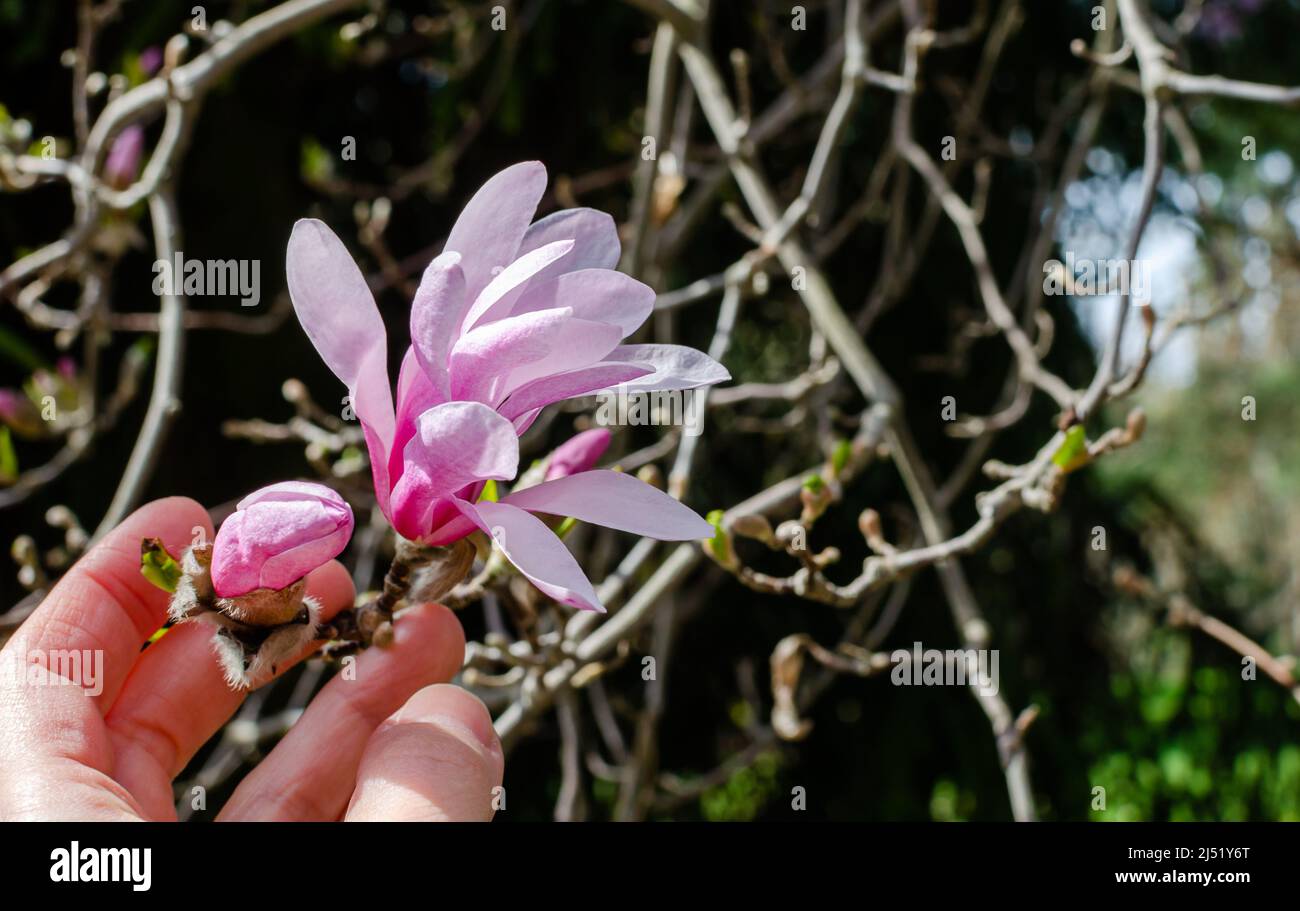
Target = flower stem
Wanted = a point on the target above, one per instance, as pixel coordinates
(372, 623)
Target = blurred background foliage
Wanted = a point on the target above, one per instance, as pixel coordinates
(1157, 716)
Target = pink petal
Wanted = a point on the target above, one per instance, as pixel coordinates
(578, 343)
(415, 395)
(293, 491)
(535, 551)
(490, 361)
(614, 500)
(595, 237)
(499, 297)
(557, 387)
(456, 444)
(482, 358)
(492, 224)
(448, 528)
(436, 315)
(338, 313)
(595, 294)
(675, 367)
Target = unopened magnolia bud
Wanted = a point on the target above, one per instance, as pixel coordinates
(815, 498)
(124, 156)
(174, 52)
(650, 474)
(278, 535)
(578, 454)
(828, 557)
(753, 525)
(789, 532)
(294, 391)
(869, 525)
(1136, 424)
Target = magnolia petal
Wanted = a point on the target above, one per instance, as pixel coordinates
(448, 528)
(285, 568)
(482, 358)
(560, 386)
(455, 444)
(338, 313)
(614, 500)
(602, 295)
(675, 367)
(490, 227)
(415, 395)
(436, 315)
(595, 237)
(578, 343)
(535, 551)
(499, 297)
(292, 491)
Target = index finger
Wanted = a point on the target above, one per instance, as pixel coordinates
(99, 614)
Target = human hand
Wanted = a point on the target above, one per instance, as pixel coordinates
(392, 743)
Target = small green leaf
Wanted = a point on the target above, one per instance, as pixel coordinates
(1073, 453)
(142, 348)
(8, 458)
(840, 456)
(490, 493)
(813, 483)
(565, 527)
(157, 565)
(720, 543)
(314, 163)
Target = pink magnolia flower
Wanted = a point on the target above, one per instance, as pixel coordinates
(577, 454)
(512, 316)
(277, 535)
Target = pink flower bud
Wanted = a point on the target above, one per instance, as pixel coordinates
(578, 454)
(123, 162)
(151, 59)
(20, 414)
(277, 535)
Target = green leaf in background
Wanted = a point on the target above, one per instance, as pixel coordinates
(314, 163)
(565, 527)
(157, 565)
(1073, 453)
(840, 456)
(490, 493)
(8, 458)
(813, 483)
(143, 348)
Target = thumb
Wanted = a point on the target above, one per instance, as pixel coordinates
(436, 759)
